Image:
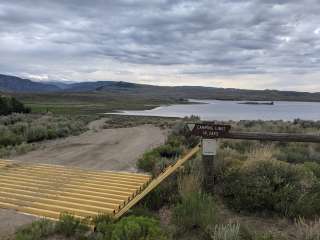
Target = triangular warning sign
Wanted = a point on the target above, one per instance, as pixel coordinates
(191, 126)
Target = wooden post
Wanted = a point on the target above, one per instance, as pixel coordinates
(209, 149)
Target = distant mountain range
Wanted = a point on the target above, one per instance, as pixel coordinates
(15, 84)
(12, 84)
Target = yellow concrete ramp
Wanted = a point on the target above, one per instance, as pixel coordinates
(49, 190)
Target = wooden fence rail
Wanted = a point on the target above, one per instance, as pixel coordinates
(282, 137)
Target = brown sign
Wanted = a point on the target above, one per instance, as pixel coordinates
(209, 130)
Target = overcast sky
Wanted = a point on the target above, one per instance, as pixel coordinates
(257, 44)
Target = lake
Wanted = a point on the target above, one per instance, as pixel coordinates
(232, 110)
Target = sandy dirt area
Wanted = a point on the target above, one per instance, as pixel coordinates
(104, 149)
(10, 220)
(107, 149)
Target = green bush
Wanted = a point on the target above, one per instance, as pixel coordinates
(18, 129)
(9, 138)
(10, 105)
(195, 211)
(36, 133)
(36, 231)
(140, 210)
(241, 146)
(159, 158)
(308, 204)
(313, 167)
(225, 161)
(165, 194)
(148, 161)
(69, 225)
(169, 151)
(296, 153)
(268, 185)
(137, 228)
(103, 226)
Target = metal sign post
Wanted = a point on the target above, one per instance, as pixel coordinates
(209, 151)
(209, 132)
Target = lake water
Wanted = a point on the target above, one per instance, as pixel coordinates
(232, 110)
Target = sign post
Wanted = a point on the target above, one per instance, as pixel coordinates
(209, 149)
(209, 132)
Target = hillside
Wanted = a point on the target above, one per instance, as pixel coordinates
(15, 84)
(18, 85)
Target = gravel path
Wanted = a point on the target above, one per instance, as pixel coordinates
(109, 149)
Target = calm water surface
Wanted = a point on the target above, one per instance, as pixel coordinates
(232, 110)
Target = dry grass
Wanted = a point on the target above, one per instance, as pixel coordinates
(280, 228)
(308, 230)
(187, 184)
(225, 232)
(263, 153)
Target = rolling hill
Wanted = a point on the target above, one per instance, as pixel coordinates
(15, 84)
(18, 85)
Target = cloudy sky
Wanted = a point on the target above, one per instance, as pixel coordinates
(258, 44)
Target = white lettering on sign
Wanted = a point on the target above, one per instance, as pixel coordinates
(209, 147)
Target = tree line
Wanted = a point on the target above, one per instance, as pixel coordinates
(10, 105)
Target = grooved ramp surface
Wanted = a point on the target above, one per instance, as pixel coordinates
(48, 190)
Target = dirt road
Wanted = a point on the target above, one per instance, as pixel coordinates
(109, 149)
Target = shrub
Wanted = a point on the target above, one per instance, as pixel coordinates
(103, 225)
(161, 164)
(224, 232)
(225, 161)
(69, 225)
(158, 159)
(36, 133)
(137, 228)
(189, 183)
(196, 211)
(296, 153)
(148, 161)
(165, 194)
(313, 167)
(241, 146)
(36, 231)
(8, 138)
(10, 105)
(20, 128)
(309, 203)
(267, 185)
(169, 151)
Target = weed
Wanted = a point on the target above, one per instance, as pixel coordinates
(69, 225)
(137, 228)
(36, 231)
(224, 232)
(196, 211)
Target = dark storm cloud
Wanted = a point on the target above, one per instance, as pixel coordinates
(196, 38)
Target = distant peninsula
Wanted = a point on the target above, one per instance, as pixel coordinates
(257, 103)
